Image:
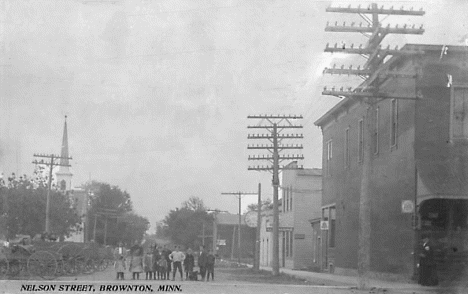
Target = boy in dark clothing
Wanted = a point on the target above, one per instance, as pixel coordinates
(156, 258)
(210, 263)
(202, 262)
(166, 253)
(189, 263)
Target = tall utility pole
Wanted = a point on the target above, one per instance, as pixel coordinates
(51, 164)
(259, 224)
(275, 125)
(239, 196)
(375, 72)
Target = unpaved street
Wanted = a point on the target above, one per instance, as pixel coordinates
(227, 281)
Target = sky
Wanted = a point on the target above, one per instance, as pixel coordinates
(157, 92)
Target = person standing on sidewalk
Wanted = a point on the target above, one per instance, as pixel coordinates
(427, 264)
(177, 257)
(189, 263)
(202, 262)
(210, 263)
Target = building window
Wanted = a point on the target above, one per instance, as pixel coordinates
(290, 243)
(287, 199)
(361, 140)
(329, 150)
(290, 198)
(394, 126)
(285, 245)
(375, 138)
(346, 147)
(332, 226)
(284, 200)
(459, 113)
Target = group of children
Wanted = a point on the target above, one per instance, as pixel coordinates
(157, 263)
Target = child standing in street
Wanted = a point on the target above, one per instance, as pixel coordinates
(177, 257)
(162, 267)
(189, 263)
(136, 264)
(120, 267)
(148, 265)
(156, 258)
(210, 263)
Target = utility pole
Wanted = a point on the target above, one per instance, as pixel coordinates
(275, 125)
(214, 243)
(51, 164)
(259, 224)
(375, 72)
(95, 225)
(239, 196)
(233, 239)
(203, 234)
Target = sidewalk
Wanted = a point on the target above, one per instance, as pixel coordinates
(350, 281)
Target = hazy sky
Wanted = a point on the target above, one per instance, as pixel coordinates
(157, 91)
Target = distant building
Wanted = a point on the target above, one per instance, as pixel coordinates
(80, 199)
(300, 204)
(227, 235)
(418, 182)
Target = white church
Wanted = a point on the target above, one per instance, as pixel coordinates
(64, 183)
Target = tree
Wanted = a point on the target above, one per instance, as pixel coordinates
(184, 225)
(103, 196)
(131, 227)
(266, 205)
(23, 202)
(194, 203)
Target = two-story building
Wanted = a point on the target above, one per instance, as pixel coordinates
(300, 202)
(419, 157)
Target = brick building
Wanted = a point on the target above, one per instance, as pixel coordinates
(419, 154)
(300, 202)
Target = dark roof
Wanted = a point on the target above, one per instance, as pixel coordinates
(347, 102)
(229, 219)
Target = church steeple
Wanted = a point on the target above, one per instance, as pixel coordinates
(63, 174)
(64, 153)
